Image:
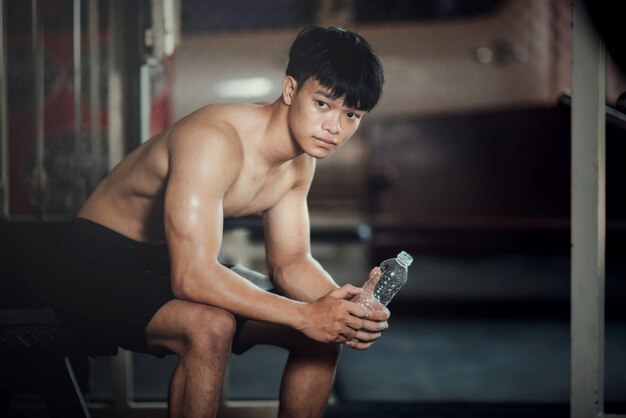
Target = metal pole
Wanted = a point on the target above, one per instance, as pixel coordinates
(39, 176)
(4, 139)
(94, 93)
(588, 218)
(151, 43)
(117, 103)
(145, 100)
(122, 382)
(79, 181)
(126, 34)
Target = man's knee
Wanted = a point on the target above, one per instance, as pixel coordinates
(211, 328)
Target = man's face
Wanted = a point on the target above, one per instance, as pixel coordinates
(319, 123)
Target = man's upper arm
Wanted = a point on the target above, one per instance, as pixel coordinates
(287, 228)
(288, 248)
(202, 165)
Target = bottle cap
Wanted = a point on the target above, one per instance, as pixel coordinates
(404, 258)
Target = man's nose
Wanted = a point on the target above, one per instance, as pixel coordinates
(332, 125)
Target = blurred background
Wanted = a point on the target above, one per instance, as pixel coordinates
(465, 164)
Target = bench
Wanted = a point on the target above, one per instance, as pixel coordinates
(37, 352)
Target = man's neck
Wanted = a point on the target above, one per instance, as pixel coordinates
(276, 145)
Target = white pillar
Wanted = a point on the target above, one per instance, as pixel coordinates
(588, 218)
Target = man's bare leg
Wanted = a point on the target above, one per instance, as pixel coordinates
(202, 338)
(307, 382)
(310, 371)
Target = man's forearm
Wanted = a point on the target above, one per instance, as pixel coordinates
(224, 289)
(329, 319)
(303, 279)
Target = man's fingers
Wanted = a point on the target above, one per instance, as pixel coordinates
(348, 333)
(367, 337)
(358, 311)
(374, 326)
(363, 340)
(382, 314)
(374, 275)
(359, 345)
(346, 292)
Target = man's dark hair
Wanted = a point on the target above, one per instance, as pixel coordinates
(340, 60)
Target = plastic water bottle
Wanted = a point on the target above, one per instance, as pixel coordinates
(380, 288)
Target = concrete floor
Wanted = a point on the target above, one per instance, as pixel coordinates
(485, 361)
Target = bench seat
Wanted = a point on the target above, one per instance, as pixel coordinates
(35, 347)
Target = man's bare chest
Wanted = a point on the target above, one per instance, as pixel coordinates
(255, 193)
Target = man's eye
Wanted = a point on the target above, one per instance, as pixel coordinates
(352, 115)
(322, 104)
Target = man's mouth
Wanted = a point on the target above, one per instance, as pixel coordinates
(325, 142)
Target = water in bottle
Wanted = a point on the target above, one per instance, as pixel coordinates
(380, 288)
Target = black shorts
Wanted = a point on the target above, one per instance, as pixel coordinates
(111, 286)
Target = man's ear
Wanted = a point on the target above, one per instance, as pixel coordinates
(290, 86)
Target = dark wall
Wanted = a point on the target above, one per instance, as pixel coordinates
(496, 181)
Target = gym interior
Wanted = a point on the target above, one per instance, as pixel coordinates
(495, 157)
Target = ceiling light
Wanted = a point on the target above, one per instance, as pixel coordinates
(244, 88)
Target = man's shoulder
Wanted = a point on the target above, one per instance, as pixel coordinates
(208, 130)
(206, 147)
(213, 120)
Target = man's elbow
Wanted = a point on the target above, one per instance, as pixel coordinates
(194, 285)
(183, 284)
(181, 289)
(278, 263)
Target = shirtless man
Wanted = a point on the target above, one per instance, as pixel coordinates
(143, 251)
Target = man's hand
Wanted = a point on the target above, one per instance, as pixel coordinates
(333, 319)
(372, 329)
(374, 323)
